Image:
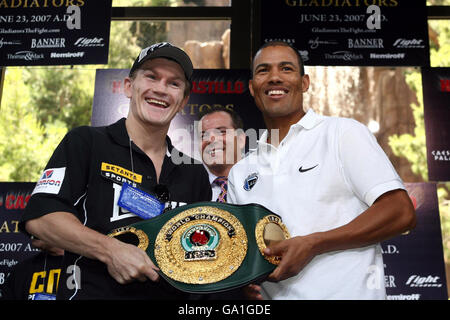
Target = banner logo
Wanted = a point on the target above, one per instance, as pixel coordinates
(65, 55)
(4, 42)
(344, 55)
(422, 282)
(89, 42)
(365, 43)
(48, 43)
(25, 55)
(404, 43)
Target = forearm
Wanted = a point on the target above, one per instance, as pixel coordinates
(125, 262)
(391, 215)
(65, 231)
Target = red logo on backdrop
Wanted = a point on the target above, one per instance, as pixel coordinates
(222, 87)
(116, 86)
(445, 85)
(14, 201)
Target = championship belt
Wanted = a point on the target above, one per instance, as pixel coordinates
(209, 247)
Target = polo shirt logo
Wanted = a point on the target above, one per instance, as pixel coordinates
(250, 181)
(305, 170)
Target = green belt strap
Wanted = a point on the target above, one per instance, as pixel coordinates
(209, 246)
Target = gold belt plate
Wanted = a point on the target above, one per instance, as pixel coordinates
(270, 230)
(201, 245)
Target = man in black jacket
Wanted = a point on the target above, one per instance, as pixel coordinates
(75, 203)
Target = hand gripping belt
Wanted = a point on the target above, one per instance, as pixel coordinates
(209, 247)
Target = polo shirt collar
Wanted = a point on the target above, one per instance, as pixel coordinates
(308, 121)
(118, 132)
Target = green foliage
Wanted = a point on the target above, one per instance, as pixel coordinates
(438, 2)
(413, 147)
(26, 144)
(444, 210)
(122, 46)
(148, 33)
(440, 54)
(61, 94)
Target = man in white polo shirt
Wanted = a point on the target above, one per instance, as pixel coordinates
(328, 179)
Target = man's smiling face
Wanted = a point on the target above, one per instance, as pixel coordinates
(277, 84)
(156, 92)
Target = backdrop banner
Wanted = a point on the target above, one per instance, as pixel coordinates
(14, 245)
(436, 100)
(350, 32)
(415, 268)
(43, 32)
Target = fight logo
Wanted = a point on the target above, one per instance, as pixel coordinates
(199, 242)
(50, 181)
(250, 182)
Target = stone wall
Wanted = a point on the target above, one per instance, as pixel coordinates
(210, 54)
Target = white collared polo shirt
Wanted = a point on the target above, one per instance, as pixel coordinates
(325, 172)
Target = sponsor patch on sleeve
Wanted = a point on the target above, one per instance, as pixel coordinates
(50, 181)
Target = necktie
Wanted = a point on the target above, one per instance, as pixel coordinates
(222, 183)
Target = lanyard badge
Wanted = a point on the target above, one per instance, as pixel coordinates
(139, 202)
